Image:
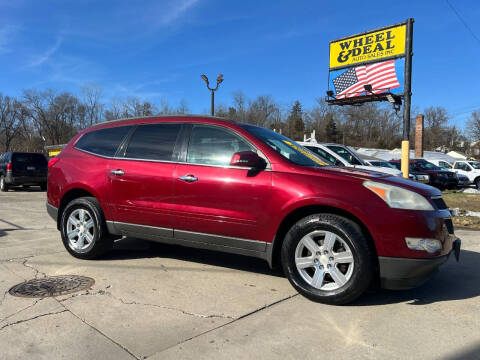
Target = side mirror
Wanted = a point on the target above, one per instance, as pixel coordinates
(248, 159)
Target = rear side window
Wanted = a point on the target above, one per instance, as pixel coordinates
(29, 159)
(153, 142)
(103, 142)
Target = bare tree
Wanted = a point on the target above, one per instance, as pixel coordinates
(473, 125)
(91, 100)
(10, 110)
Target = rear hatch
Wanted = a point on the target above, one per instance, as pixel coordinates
(29, 165)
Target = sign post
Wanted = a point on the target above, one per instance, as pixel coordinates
(407, 96)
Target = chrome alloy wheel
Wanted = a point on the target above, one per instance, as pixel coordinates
(80, 230)
(324, 260)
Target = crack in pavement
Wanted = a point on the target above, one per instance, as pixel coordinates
(100, 332)
(19, 311)
(32, 318)
(266, 306)
(125, 302)
(24, 263)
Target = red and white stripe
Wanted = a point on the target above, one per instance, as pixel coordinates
(381, 76)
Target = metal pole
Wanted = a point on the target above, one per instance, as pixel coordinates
(212, 106)
(407, 95)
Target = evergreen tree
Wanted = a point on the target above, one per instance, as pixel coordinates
(295, 124)
(331, 129)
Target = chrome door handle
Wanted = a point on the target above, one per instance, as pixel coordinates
(118, 172)
(188, 178)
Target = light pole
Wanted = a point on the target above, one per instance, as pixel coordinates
(219, 81)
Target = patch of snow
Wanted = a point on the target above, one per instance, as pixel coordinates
(470, 191)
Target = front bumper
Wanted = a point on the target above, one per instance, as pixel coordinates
(405, 273)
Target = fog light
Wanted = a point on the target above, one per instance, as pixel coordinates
(429, 245)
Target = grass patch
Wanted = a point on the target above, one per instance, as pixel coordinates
(471, 222)
(455, 199)
(462, 201)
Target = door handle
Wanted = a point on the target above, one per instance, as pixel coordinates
(188, 178)
(118, 172)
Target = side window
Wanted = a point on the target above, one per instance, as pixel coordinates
(324, 154)
(214, 146)
(103, 142)
(153, 142)
(462, 166)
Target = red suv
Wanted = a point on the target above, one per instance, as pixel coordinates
(211, 183)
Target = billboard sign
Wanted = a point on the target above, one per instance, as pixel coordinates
(372, 46)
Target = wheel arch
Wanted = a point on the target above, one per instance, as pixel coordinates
(301, 212)
(72, 194)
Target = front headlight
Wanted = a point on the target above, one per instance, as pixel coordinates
(397, 197)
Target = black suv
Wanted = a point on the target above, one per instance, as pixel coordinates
(439, 178)
(26, 169)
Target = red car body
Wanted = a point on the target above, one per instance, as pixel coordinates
(230, 210)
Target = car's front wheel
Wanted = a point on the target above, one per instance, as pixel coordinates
(83, 229)
(327, 258)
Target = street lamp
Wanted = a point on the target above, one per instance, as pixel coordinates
(219, 81)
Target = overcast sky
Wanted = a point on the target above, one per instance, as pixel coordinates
(158, 49)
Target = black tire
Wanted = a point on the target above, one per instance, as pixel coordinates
(3, 184)
(477, 183)
(43, 187)
(351, 234)
(102, 241)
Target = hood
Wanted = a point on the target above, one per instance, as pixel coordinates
(380, 169)
(363, 174)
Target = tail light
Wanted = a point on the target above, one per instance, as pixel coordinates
(53, 161)
(9, 166)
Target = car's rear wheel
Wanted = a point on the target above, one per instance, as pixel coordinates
(327, 258)
(3, 184)
(83, 229)
(477, 183)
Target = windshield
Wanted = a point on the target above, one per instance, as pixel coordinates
(425, 165)
(445, 165)
(346, 154)
(287, 148)
(382, 164)
(475, 164)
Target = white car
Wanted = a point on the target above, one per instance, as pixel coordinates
(470, 169)
(441, 163)
(341, 155)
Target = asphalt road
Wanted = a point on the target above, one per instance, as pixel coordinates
(167, 302)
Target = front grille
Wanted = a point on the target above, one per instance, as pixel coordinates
(449, 225)
(439, 203)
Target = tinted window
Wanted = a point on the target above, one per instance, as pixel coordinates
(153, 142)
(323, 154)
(287, 148)
(103, 142)
(344, 153)
(214, 146)
(29, 159)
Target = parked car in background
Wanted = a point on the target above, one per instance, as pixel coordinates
(412, 173)
(210, 183)
(445, 165)
(341, 155)
(22, 169)
(438, 177)
(470, 169)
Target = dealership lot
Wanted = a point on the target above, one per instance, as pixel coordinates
(157, 301)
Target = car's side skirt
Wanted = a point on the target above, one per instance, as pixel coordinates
(247, 247)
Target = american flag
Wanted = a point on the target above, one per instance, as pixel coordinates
(381, 76)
